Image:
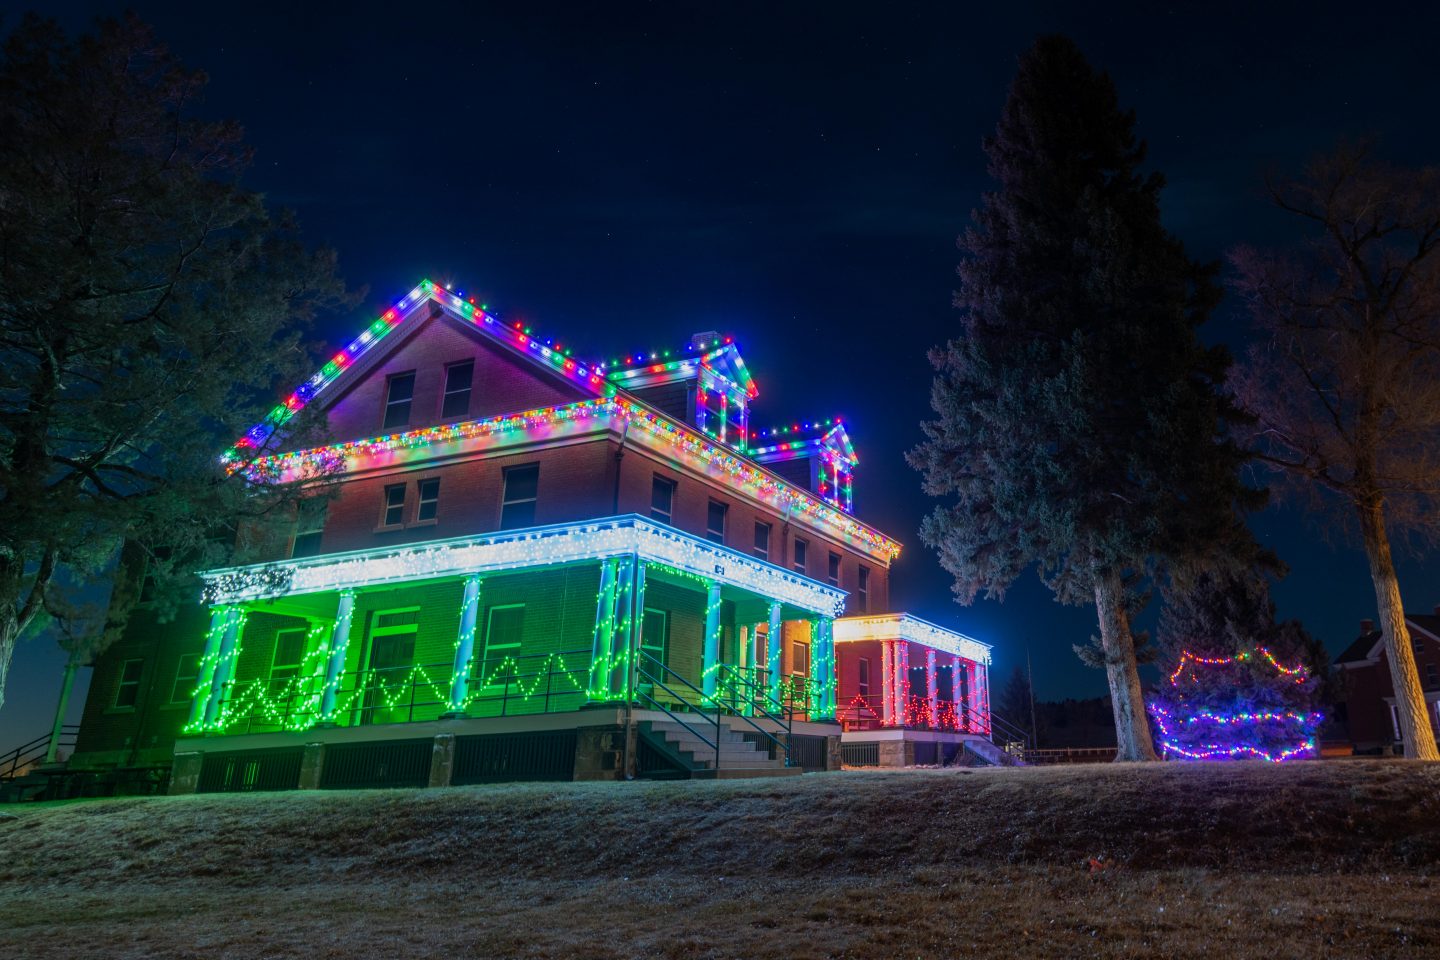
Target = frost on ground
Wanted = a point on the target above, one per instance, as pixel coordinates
(1333, 858)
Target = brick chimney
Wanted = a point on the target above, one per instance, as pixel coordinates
(1367, 626)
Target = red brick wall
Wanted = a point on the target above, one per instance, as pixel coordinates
(503, 383)
(692, 499)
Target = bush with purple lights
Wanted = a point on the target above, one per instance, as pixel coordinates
(1240, 707)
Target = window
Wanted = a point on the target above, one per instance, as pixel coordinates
(458, 378)
(127, 692)
(394, 513)
(429, 499)
(862, 676)
(187, 677)
(289, 655)
(800, 657)
(862, 595)
(799, 563)
(504, 629)
(1431, 678)
(400, 390)
(517, 508)
(1417, 645)
(945, 683)
(715, 522)
(662, 498)
(832, 572)
(762, 541)
(309, 524)
(655, 641)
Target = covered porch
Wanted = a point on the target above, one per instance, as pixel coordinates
(565, 620)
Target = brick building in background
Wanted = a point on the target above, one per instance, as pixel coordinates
(1369, 692)
(533, 567)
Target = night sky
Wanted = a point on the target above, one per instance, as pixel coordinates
(622, 176)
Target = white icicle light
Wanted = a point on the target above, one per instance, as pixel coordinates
(902, 626)
(517, 550)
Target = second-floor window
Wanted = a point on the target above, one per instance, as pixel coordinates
(522, 487)
(762, 541)
(715, 522)
(862, 595)
(429, 502)
(799, 557)
(399, 392)
(832, 571)
(393, 514)
(662, 499)
(458, 379)
(309, 524)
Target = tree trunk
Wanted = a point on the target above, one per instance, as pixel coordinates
(9, 634)
(1132, 727)
(1415, 728)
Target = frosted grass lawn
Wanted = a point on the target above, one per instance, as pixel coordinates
(1333, 858)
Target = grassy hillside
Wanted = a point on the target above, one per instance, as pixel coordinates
(1243, 860)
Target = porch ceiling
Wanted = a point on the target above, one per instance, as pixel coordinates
(524, 549)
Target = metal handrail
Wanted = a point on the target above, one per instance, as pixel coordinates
(646, 675)
(28, 753)
(783, 719)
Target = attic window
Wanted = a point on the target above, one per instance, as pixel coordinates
(458, 378)
(399, 392)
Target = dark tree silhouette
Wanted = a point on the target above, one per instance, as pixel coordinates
(1345, 381)
(1080, 425)
(147, 303)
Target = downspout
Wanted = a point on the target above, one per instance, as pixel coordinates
(619, 456)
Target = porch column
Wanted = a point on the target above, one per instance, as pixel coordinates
(822, 654)
(902, 682)
(335, 657)
(887, 684)
(223, 670)
(960, 706)
(711, 666)
(200, 696)
(620, 683)
(464, 646)
(982, 695)
(600, 653)
(932, 689)
(772, 652)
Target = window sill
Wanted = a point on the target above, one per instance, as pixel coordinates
(395, 527)
(423, 523)
(389, 527)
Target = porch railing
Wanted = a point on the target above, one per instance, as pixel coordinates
(867, 713)
(19, 760)
(498, 687)
(653, 672)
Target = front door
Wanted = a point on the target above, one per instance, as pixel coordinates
(390, 689)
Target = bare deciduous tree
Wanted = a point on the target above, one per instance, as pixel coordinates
(1345, 380)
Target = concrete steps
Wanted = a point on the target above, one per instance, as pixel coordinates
(738, 757)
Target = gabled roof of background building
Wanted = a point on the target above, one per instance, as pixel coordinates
(1367, 646)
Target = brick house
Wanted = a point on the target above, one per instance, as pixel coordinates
(534, 567)
(1369, 693)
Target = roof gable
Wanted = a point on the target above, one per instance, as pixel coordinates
(343, 366)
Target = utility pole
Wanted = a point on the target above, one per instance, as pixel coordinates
(1030, 682)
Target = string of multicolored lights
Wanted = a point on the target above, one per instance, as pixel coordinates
(1193, 730)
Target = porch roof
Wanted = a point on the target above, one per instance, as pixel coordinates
(511, 550)
(902, 626)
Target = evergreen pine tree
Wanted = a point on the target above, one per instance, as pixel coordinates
(1080, 426)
